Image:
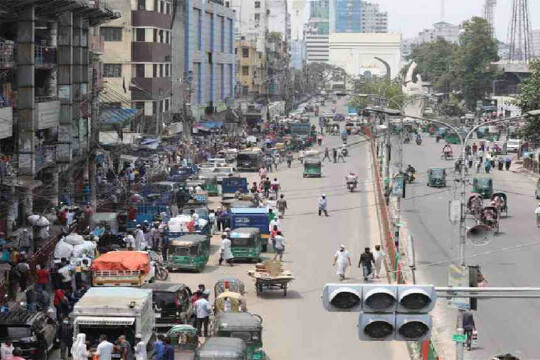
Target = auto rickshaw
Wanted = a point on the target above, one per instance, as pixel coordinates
(245, 326)
(184, 337)
(452, 138)
(312, 168)
(501, 202)
(188, 252)
(231, 284)
(229, 301)
(210, 184)
(246, 243)
(436, 177)
(490, 217)
(483, 186)
(222, 348)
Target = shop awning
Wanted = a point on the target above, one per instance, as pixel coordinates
(103, 320)
(212, 124)
(120, 116)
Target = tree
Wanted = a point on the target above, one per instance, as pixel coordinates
(475, 54)
(378, 92)
(434, 62)
(530, 100)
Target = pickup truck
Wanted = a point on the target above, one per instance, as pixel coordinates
(123, 268)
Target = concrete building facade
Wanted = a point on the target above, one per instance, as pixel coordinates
(317, 49)
(252, 19)
(252, 70)
(442, 30)
(209, 57)
(373, 19)
(298, 54)
(356, 53)
(47, 95)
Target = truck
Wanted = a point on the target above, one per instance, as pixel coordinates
(252, 217)
(114, 312)
(249, 160)
(301, 129)
(123, 268)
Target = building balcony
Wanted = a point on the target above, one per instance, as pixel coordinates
(7, 54)
(45, 156)
(45, 56)
(150, 52)
(150, 88)
(47, 112)
(6, 125)
(150, 19)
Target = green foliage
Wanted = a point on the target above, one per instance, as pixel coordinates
(434, 62)
(463, 67)
(530, 100)
(451, 109)
(476, 52)
(377, 90)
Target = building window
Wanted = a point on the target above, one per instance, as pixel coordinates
(140, 35)
(154, 107)
(111, 33)
(155, 36)
(167, 70)
(245, 52)
(161, 70)
(141, 5)
(139, 70)
(257, 17)
(257, 4)
(245, 70)
(139, 105)
(168, 9)
(162, 7)
(155, 71)
(167, 37)
(112, 70)
(166, 104)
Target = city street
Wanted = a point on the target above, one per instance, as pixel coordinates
(296, 326)
(504, 325)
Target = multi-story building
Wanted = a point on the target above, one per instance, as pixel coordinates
(137, 63)
(535, 42)
(209, 57)
(373, 20)
(278, 62)
(440, 30)
(317, 49)
(319, 18)
(252, 71)
(252, 18)
(46, 95)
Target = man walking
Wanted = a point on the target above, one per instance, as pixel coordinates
(366, 262)
(334, 155)
(65, 336)
(225, 251)
(139, 237)
(378, 256)
(342, 259)
(326, 155)
(202, 310)
(282, 206)
(104, 349)
(341, 154)
(279, 245)
(323, 204)
(126, 351)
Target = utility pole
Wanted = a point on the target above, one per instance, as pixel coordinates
(387, 154)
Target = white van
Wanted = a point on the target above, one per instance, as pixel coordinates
(514, 145)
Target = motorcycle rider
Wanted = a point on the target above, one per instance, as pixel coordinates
(351, 180)
(409, 172)
(418, 137)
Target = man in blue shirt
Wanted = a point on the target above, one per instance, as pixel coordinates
(168, 350)
(159, 348)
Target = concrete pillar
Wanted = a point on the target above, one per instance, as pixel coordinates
(65, 81)
(26, 91)
(77, 73)
(85, 75)
(53, 89)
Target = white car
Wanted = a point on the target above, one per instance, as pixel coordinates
(514, 145)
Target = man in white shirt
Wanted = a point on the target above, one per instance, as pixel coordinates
(130, 242)
(202, 310)
(378, 255)
(274, 222)
(279, 246)
(139, 238)
(6, 350)
(104, 349)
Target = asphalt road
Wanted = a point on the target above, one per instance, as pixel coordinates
(296, 326)
(504, 325)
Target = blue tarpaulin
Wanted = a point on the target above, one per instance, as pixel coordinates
(117, 116)
(212, 124)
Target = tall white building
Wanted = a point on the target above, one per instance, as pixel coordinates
(443, 30)
(373, 20)
(297, 14)
(317, 49)
(298, 54)
(252, 19)
(536, 42)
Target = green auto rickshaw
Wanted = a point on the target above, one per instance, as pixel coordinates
(188, 252)
(246, 243)
(312, 167)
(245, 326)
(436, 177)
(184, 337)
(483, 186)
(229, 348)
(210, 184)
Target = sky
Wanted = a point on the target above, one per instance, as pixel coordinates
(412, 16)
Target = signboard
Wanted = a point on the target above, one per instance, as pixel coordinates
(458, 276)
(459, 338)
(455, 211)
(398, 187)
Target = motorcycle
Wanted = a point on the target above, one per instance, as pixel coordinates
(418, 141)
(345, 151)
(319, 141)
(407, 140)
(161, 271)
(409, 177)
(351, 185)
(438, 138)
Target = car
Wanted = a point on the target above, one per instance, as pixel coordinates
(31, 331)
(513, 145)
(217, 162)
(223, 172)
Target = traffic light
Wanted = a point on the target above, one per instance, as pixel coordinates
(387, 312)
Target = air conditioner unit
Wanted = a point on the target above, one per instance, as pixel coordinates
(117, 13)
